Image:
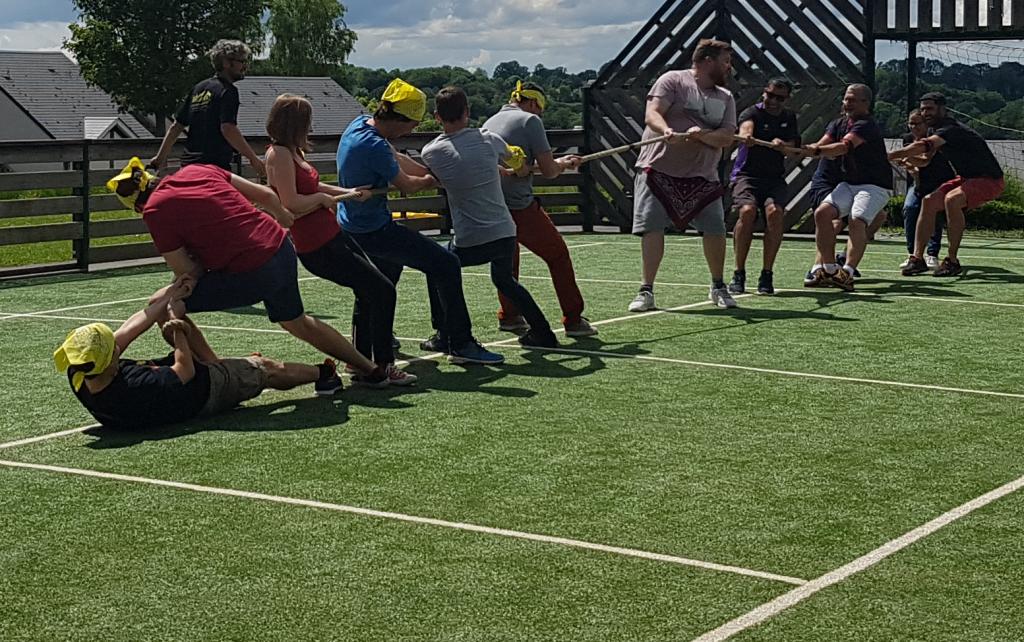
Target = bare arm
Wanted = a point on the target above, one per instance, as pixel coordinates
(281, 177)
(719, 138)
(265, 198)
(234, 136)
(144, 319)
(165, 147)
(550, 167)
(183, 366)
(182, 264)
(928, 145)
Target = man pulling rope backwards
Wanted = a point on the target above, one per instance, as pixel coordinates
(979, 180)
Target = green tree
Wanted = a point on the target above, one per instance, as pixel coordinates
(308, 37)
(148, 54)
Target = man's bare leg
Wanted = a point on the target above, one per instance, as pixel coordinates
(714, 254)
(285, 376)
(956, 202)
(328, 340)
(826, 222)
(652, 251)
(930, 208)
(774, 216)
(858, 242)
(743, 234)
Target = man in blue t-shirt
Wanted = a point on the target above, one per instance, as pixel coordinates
(862, 194)
(365, 157)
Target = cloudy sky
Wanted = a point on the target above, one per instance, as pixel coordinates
(576, 34)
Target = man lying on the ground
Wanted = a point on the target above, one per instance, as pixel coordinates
(190, 381)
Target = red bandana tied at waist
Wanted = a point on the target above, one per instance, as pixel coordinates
(682, 198)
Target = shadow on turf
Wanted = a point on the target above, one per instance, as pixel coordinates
(287, 414)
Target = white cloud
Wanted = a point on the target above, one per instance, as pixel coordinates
(482, 59)
(34, 36)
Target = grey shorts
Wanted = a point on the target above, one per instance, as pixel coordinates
(233, 381)
(649, 214)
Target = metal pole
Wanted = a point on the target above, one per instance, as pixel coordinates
(911, 75)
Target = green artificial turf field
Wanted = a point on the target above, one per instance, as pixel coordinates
(660, 481)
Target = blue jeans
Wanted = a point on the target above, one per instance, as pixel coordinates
(394, 246)
(911, 210)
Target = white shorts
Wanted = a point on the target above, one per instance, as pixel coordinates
(864, 202)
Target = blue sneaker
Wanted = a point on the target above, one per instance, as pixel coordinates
(473, 352)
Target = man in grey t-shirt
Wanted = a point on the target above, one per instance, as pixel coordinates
(466, 163)
(519, 124)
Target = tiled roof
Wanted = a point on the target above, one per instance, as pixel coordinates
(333, 107)
(49, 87)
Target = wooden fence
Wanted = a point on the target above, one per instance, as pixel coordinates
(80, 178)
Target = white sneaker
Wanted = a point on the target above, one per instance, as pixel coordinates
(905, 263)
(643, 302)
(721, 298)
(931, 261)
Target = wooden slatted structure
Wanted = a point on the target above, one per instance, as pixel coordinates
(820, 47)
(72, 217)
(948, 20)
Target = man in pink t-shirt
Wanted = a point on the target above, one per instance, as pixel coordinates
(226, 251)
(695, 102)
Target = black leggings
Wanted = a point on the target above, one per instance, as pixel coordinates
(342, 261)
(501, 255)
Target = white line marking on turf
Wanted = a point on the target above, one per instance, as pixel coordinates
(367, 512)
(928, 299)
(797, 595)
(786, 373)
(52, 435)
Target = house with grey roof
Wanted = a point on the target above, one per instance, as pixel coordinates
(333, 107)
(43, 96)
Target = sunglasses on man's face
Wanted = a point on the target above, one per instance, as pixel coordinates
(770, 95)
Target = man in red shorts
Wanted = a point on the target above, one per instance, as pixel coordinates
(979, 180)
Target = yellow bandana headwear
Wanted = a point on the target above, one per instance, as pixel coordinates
(91, 347)
(133, 171)
(406, 99)
(531, 94)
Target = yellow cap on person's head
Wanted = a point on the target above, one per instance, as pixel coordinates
(132, 181)
(405, 99)
(88, 350)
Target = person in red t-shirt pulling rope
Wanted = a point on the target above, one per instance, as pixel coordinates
(226, 252)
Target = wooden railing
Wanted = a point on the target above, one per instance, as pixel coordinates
(82, 180)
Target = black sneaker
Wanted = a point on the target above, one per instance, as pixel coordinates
(327, 386)
(949, 267)
(764, 283)
(396, 345)
(435, 344)
(539, 339)
(738, 285)
(841, 259)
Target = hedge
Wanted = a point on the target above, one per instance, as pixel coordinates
(996, 215)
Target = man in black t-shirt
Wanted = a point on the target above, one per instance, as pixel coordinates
(979, 180)
(192, 380)
(759, 181)
(210, 113)
(862, 194)
(924, 177)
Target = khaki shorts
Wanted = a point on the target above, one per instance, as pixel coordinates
(233, 381)
(649, 214)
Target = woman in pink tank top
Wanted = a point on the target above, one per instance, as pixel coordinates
(323, 247)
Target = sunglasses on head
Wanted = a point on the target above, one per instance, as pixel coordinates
(774, 96)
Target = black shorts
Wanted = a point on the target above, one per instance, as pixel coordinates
(818, 193)
(275, 283)
(759, 192)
